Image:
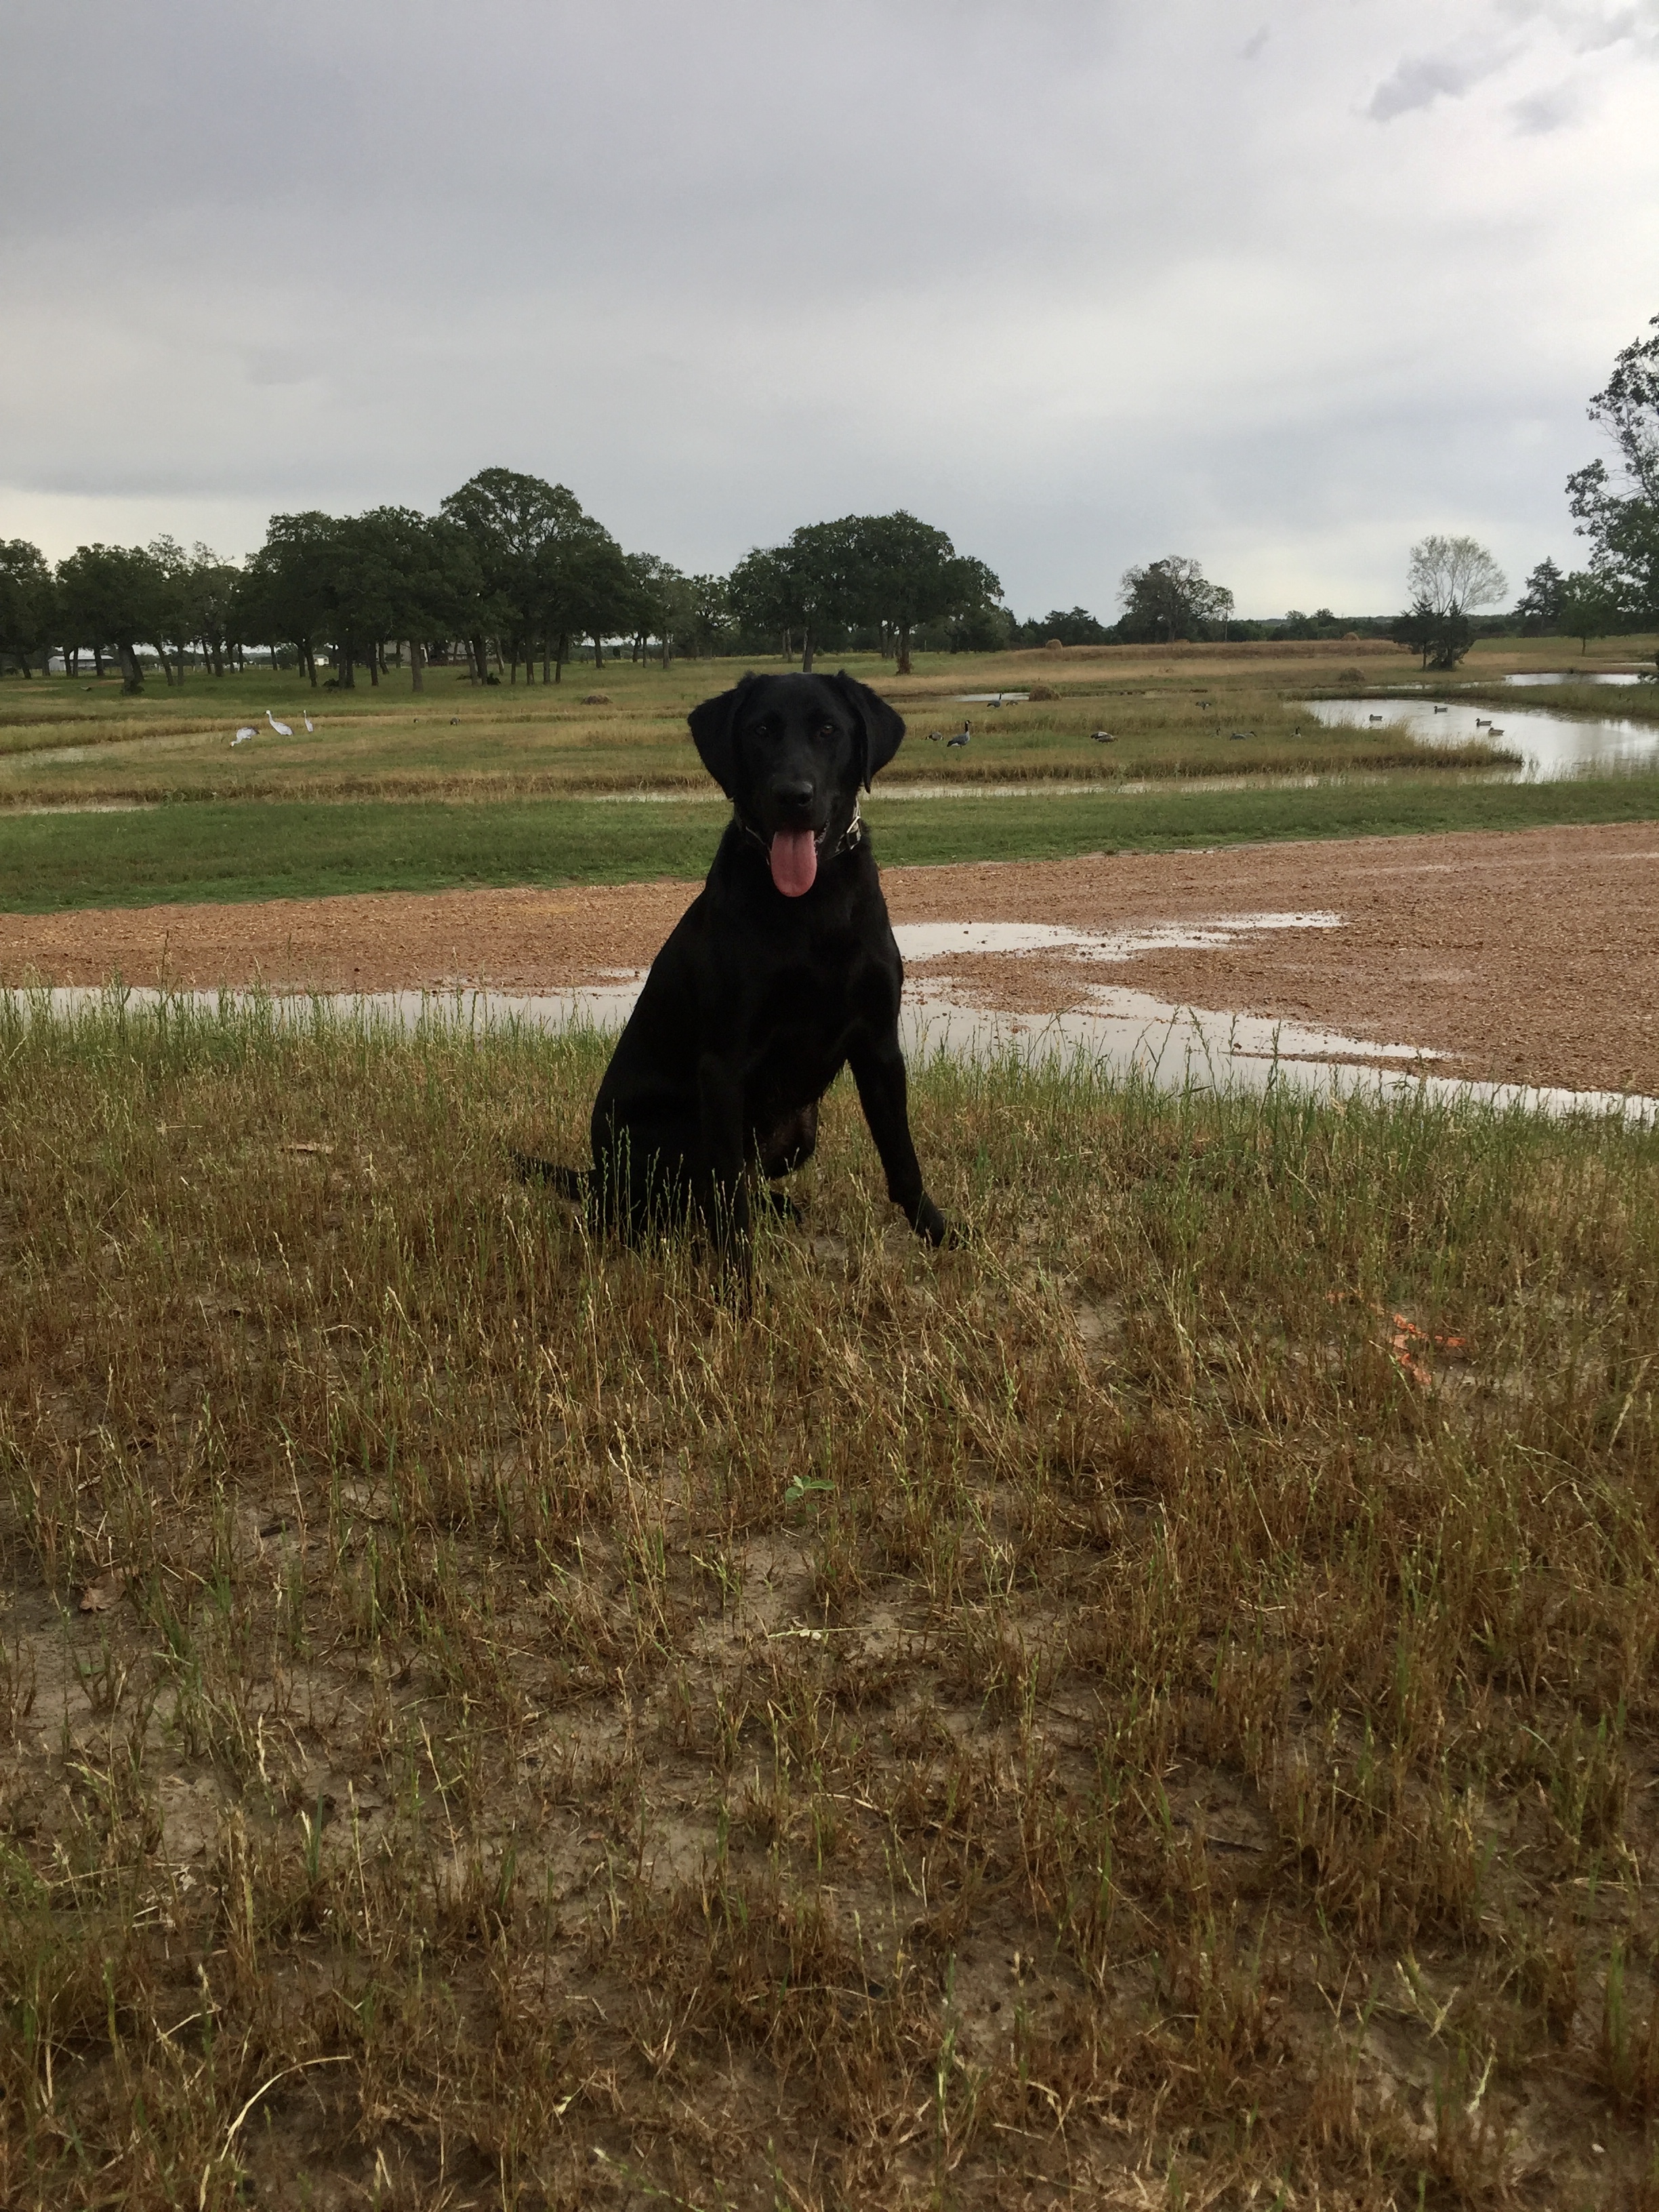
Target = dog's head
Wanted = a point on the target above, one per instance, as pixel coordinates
(791, 753)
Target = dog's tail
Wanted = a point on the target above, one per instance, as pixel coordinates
(570, 1183)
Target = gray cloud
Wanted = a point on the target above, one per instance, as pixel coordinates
(1061, 276)
(1419, 80)
(1540, 112)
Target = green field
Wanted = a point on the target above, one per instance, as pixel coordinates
(1160, 1695)
(464, 785)
(286, 850)
(1167, 720)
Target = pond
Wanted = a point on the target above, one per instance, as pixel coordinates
(1549, 745)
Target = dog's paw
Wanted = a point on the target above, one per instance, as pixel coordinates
(931, 1225)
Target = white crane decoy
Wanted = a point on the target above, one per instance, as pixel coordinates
(283, 729)
(309, 724)
(242, 735)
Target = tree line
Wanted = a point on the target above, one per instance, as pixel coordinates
(511, 576)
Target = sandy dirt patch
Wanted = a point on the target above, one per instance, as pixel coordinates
(1530, 956)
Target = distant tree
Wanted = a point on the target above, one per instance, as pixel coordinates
(112, 595)
(709, 613)
(903, 573)
(27, 597)
(592, 591)
(1618, 511)
(811, 586)
(215, 604)
(661, 602)
(1169, 599)
(1539, 606)
(1080, 627)
(1447, 577)
(287, 591)
(173, 605)
(522, 528)
(1590, 605)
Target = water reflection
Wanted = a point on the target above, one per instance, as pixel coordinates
(1586, 676)
(1549, 745)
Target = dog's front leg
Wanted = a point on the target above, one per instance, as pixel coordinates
(724, 1192)
(878, 1072)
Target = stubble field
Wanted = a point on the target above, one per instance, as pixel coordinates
(1154, 1707)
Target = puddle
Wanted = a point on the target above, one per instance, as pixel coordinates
(1551, 745)
(1586, 676)
(921, 941)
(990, 698)
(1180, 1048)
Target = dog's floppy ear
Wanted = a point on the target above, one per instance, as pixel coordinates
(882, 728)
(712, 724)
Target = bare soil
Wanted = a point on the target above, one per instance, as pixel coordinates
(1529, 957)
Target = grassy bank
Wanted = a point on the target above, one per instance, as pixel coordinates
(1109, 1710)
(289, 850)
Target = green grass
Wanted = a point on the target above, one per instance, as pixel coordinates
(286, 850)
(1103, 1716)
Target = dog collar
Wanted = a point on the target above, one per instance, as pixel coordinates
(851, 836)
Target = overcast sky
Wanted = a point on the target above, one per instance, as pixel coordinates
(1277, 286)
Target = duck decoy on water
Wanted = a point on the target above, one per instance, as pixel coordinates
(282, 729)
(1441, 710)
(1373, 719)
(1492, 730)
(1483, 721)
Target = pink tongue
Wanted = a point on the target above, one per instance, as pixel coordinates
(794, 858)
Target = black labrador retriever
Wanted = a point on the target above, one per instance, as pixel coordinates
(783, 971)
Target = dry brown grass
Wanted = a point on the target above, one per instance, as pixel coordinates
(1078, 1718)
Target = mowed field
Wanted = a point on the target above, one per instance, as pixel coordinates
(1153, 1707)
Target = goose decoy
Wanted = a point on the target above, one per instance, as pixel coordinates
(962, 735)
(1233, 735)
(935, 738)
(282, 729)
(1104, 737)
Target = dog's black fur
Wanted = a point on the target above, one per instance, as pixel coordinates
(758, 1000)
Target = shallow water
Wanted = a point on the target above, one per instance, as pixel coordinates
(1574, 676)
(1551, 745)
(1178, 1048)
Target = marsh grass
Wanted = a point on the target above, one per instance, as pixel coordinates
(61, 745)
(483, 1720)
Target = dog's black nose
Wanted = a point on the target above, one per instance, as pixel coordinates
(796, 797)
